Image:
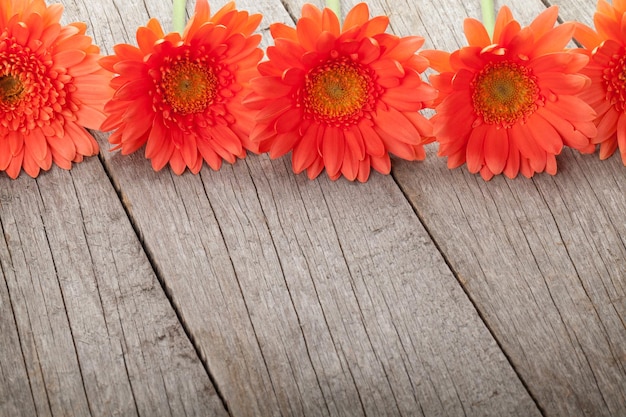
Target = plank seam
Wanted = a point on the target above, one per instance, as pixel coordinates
(69, 323)
(17, 329)
(467, 294)
(232, 265)
(569, 256)
(358, 303)
(161, 281)
(280, 264)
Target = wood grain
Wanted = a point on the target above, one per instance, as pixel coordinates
(543, 260)
(88, 329)
(312, 297)
(431, 292)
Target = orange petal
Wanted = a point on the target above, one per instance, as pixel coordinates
(545, 21)
(333, 147)
(305, 151)
(358, 15)
(496, 148)
(475, 33)
(475, 151)
(544, 134)
(502, 19)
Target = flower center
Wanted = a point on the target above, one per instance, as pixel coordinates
(11, 89)
(33, 94)
(614, 79)
(504, 93)
(338, 92)
(189, 87)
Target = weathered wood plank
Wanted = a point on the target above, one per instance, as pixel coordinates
(544, 260)
(310, 297)
(89, 330)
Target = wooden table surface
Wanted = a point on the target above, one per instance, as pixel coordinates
(252, 291)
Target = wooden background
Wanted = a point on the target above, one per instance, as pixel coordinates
(255, 292)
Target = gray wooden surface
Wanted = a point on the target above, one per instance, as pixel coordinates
(253, 291)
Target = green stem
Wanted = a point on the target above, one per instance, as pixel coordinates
(335, 6)
(178, 16)
(489, 19)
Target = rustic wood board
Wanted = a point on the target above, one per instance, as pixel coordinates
(544, 261)
(309, 297)
(86, 326)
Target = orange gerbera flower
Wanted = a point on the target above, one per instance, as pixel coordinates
(51, 87)
(181, 95)
(341, 98)
(508, 105)
(607, 94)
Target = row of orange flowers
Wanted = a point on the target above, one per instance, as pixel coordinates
(339, 97)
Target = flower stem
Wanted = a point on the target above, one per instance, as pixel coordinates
(488, 15)
(178, 16)
(335, 6)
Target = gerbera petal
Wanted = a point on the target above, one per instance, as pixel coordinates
(147, 37)
(162, 154)
(545, 21)
(283, 143)
(356, 16)
(314, 170)
(528, 146)
(553, 40)
(305, 151)
(156, 140)
(550, 164)
(270, 87)
(308, 31)
(36, 144)
(439, 60)
(187, 91)
(333, 147)
(607, 126)
(496, 149)
(29, 164)
(55, 83)
(62, 149)
(397, 125)
(281, 30)
(350, 165)
(374, 26)
(560, 83)
(545, 135)
(513, 161)
(607, 148)
(475, 153)
(5, 154)
(364, 169)
(177, 162)
(621, 137)
(341, 97)
(381, 164)
(15, 165)
(373, 143)
(503, 18)
(355, 142)
(586, 36)
(475, 33)
(208, 154)
(330, 22)
(571, 137)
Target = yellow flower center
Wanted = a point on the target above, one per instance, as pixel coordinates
(11, 89)
(504, 93)
(338, 92)
(189, 87)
